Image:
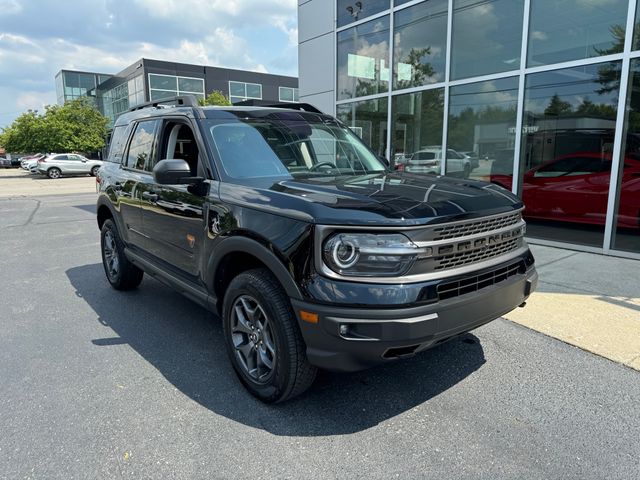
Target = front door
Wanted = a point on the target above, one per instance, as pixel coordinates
(173, 216)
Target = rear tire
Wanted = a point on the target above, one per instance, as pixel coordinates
(263, 339)
(54, 173)
(121, 273)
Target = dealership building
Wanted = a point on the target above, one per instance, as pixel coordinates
(539, 96)
(149, 80)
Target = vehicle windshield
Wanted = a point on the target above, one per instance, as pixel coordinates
(267, 147)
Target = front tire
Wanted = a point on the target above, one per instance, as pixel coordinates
(263, 339)
(94, 171)
(54, 173)
(121, 273)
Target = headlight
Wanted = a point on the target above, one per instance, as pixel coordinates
(370, 255)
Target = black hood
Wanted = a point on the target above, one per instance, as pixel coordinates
(375, 199)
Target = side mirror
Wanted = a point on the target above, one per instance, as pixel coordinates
(174, 172)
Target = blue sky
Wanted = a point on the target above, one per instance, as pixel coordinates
(38, 38)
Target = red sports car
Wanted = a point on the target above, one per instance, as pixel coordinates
(575, 188)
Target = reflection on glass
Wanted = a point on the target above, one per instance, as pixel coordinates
(568, 129)
(487, 37)
(368, 120)
(163, 82)
(627, 220)
(563, 30)
(195, 85)
(352, 10)
(481, 130)
(417, 131)
(363, 59)
(420, 44)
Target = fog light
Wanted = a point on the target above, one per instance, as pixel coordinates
(344, 330)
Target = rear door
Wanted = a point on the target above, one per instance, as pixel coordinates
(134, 179)
(75, 164)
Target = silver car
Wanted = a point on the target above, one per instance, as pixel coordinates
(54, 166)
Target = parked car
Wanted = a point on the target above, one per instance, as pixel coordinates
(55, 166)
(312, 251)
(575, 188)
(5, 163)
(428, 160)
(473, 157)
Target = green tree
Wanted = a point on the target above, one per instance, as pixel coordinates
(557, 106)
(215, 98)
(75, 126)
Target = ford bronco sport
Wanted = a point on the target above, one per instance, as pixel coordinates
(311, 249)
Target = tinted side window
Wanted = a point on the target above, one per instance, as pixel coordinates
(142, 146)
(60, 157)
(117, 144)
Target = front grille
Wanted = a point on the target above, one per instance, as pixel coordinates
(460, 259)
(464, 229)
(477, 282)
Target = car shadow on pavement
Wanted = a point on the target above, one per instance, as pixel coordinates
(184, 342)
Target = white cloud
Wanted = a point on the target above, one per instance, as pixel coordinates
(34, 100)
(538, 35)
(10, 7)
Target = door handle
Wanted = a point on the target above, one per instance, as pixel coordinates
(151, 196)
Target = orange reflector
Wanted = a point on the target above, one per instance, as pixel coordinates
(308, 317)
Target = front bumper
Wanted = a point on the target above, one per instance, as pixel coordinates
(351, 339)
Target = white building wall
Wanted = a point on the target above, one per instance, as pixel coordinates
(316, 53)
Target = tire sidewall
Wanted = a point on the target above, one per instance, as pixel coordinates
(58, 173)
(94, 171)
(245, 284)
(109, 226)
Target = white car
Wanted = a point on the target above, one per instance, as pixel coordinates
(428, 160)
(54, 166)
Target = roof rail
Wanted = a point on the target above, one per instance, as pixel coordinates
(265, 103)
(179, 101)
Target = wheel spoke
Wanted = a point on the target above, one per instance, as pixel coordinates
(242, 325)
(267, 341)
(264, 358)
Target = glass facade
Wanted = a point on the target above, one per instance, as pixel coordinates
(420, 44)
(363, 59)
(288, 94)
(167, 86)
(71, 85)
(368, 119)
(521, 98)
(241, 91)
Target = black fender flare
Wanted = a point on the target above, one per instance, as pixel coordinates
(264, 253)
(105, 202)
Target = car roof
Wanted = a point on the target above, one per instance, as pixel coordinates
(301, 111)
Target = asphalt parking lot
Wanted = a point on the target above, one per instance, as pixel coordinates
(103, 384)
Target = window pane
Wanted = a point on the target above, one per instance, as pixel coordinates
(195, 85)
(116, 144)
(368, 120)
(627, 221)
(420, 44)
(162, 94)
(486, 38)
(162, 82)
(296, 96)
(285, 94)
(570, 121)
(417, 131)
(254, 90)
(237, 89)
(140, 149)
(481, 130)
(139, 83)
(363, 59)
(573, 29)
(349, 12)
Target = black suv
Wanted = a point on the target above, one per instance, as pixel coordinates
(312, 250)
